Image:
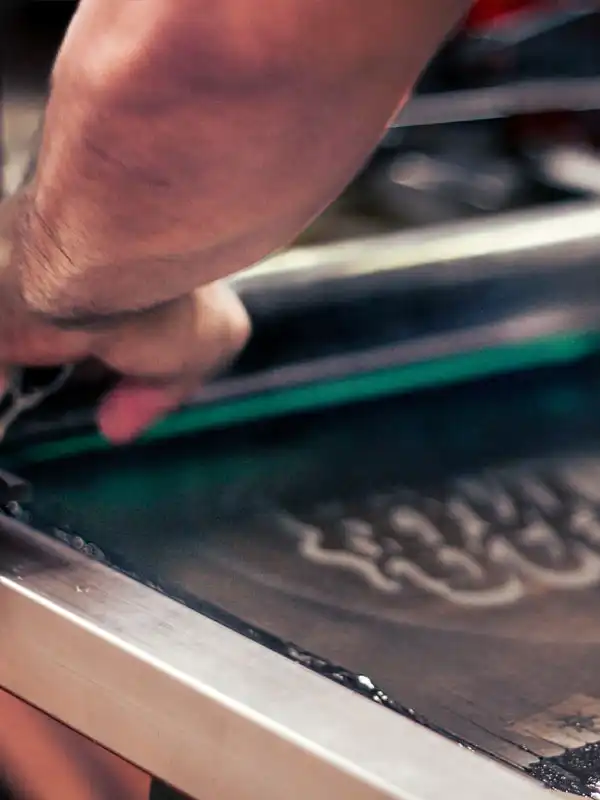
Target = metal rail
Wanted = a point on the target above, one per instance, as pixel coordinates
(554, 238)
(201, 707)
(498, 102)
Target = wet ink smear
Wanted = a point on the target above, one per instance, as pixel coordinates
(576, 771)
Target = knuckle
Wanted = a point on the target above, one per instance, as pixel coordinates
(191, 339)
(224, 328)
(239, 326)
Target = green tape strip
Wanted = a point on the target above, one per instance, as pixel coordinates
(397, 380)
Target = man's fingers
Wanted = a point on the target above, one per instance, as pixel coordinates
(134, 406)
(191, 337)
(165, 354)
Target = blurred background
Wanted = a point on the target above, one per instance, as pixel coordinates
(507, 116)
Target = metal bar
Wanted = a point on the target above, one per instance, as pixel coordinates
(497, 102)
(558, 237)
(516, 329)
(574, 167)
(202, 707)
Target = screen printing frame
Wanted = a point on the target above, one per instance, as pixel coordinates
(205, 708)
(202, 707)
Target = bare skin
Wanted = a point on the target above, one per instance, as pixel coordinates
(44, 760)
(185, 140)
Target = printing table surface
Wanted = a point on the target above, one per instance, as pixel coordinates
(446, 544)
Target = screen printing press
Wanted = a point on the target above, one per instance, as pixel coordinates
(363, 564)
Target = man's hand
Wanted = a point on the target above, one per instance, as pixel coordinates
(163, 354)
(185, 140)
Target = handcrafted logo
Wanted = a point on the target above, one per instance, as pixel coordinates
(482, 542)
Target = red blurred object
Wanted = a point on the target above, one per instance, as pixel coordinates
(486, 12)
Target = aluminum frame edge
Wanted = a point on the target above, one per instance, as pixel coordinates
(204, 708)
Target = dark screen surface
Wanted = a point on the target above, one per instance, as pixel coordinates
(445, 543)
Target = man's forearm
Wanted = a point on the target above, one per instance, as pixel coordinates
(187, 139)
